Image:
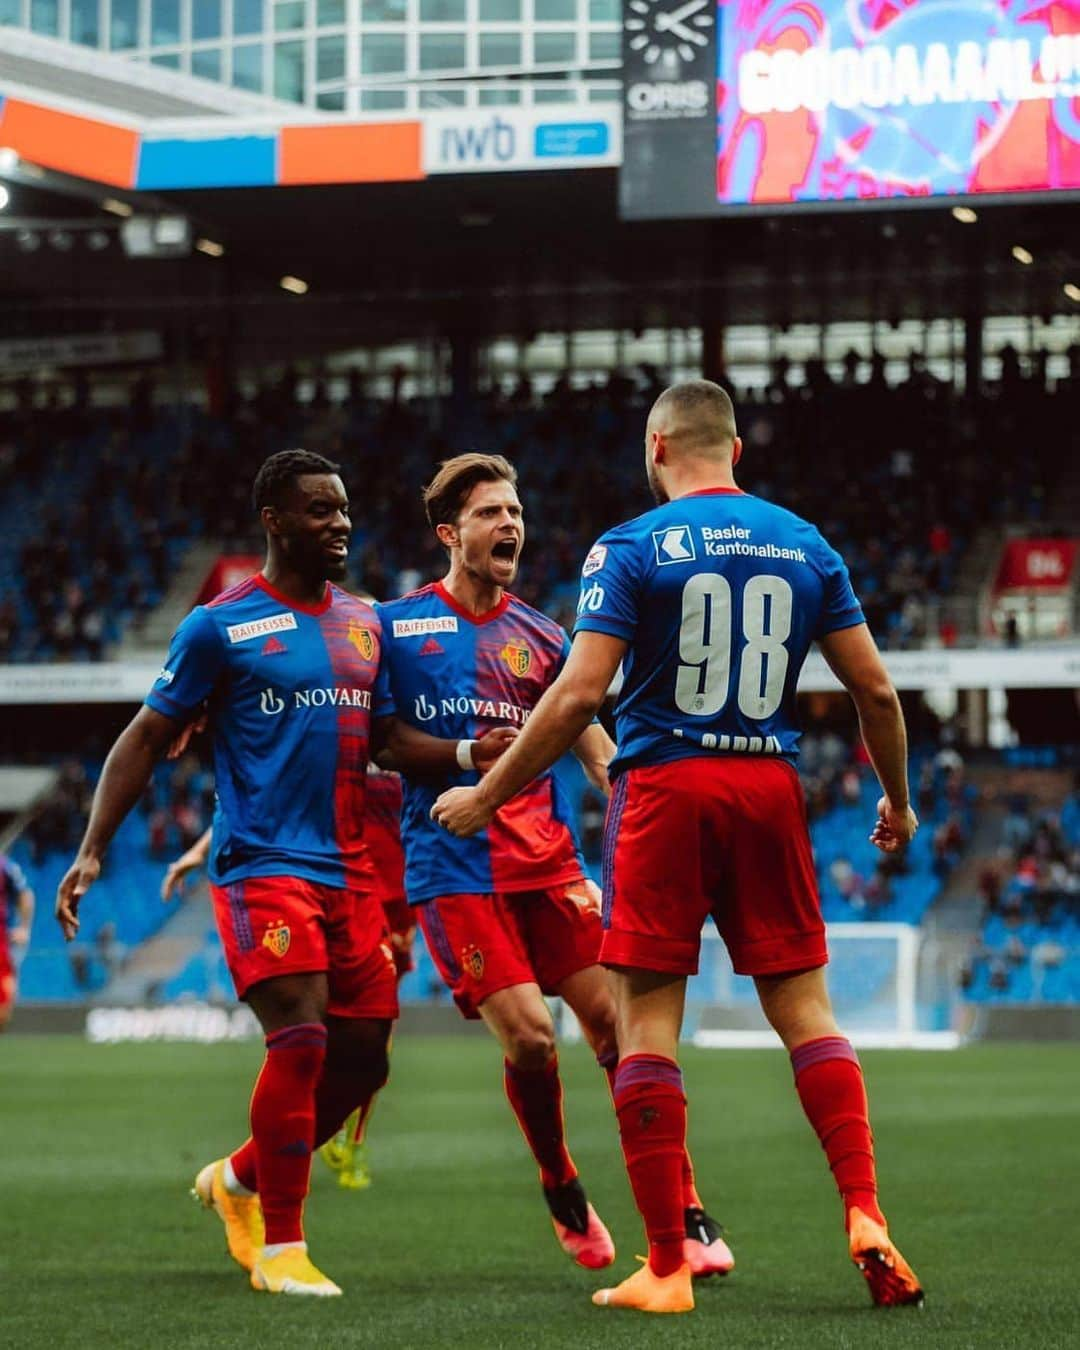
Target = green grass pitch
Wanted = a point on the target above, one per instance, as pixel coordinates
(101, 1246)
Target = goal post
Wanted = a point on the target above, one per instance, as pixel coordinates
(873, 978)
(884, 992)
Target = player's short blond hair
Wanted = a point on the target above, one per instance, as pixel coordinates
(697, 414)
(446, 494)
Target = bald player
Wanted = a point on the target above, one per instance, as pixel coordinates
(710, 602)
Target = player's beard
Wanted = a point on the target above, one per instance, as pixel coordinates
(659, 495)
(311, 560)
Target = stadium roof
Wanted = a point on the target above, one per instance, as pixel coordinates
(88, 81)
(514, 254)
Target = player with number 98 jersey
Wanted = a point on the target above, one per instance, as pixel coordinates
(719, 595)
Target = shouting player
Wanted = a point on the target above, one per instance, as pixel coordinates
(711, 602)
(16, 903)
(509, 917)
(287, 663)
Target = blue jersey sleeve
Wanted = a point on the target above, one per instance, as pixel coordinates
(383, 704)
(840, 607)
(196, 659)
(15, 875)
(608, 602)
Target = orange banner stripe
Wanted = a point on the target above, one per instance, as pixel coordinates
(71, 144)
(373, 152)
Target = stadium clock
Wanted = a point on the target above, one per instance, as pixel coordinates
(670, 28)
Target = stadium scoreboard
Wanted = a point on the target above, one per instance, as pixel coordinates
(800, 103)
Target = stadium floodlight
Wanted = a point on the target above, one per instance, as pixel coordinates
(210, 247)
(964, 214)
(9, 159)
(156, 236)
(5, 197)
(294, 285)
(116, 207)
(1072, 291)
(61, 240)
(27, 241)
(1023, 255)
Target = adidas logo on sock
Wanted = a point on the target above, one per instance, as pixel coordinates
(271, 646)
(431, 648)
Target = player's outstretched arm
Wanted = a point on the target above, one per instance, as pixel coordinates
(19, 934)
(188, 862)
(555, 725)
(414, 753)
(595, 750)
(857, 664)
(123, 781)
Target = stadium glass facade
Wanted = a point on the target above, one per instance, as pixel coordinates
(357, 56)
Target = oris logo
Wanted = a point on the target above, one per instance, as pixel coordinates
(688, 98)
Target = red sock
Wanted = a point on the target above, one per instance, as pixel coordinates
(537, 1100)
(283, 1126)
(830, 1085)
(691, 1198)
(362, 1119)
(341, 1091)
(651, 1107)
(339, 1094)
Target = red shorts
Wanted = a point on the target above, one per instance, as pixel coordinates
(402, 925)
(273, 926)
(701, 836)
(484, 943)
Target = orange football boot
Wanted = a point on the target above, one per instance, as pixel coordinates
(892, 1281)
(646, 1292)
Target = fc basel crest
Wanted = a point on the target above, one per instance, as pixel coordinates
(517, 657)
(363, 641)
(277, 937)
(473, 959)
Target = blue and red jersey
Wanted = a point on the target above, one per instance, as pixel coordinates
(719, 595)
(382, 832)
(290, 692)
(458, 675)
(12, 883)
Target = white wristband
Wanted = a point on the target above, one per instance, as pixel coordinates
(463, 755)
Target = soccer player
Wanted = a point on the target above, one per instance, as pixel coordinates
(287, 663)
(16, 902)
(510, 916)
(346, 1152)
(710, 603)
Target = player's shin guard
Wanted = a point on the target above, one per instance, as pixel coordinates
(691, 1199)
(651, 1107)
(283, 1126)
(536, 1097)
(830, 1085)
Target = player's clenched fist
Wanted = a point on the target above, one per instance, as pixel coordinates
(78, 879)
(488, 748)
(895, 827)
(462, 812)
